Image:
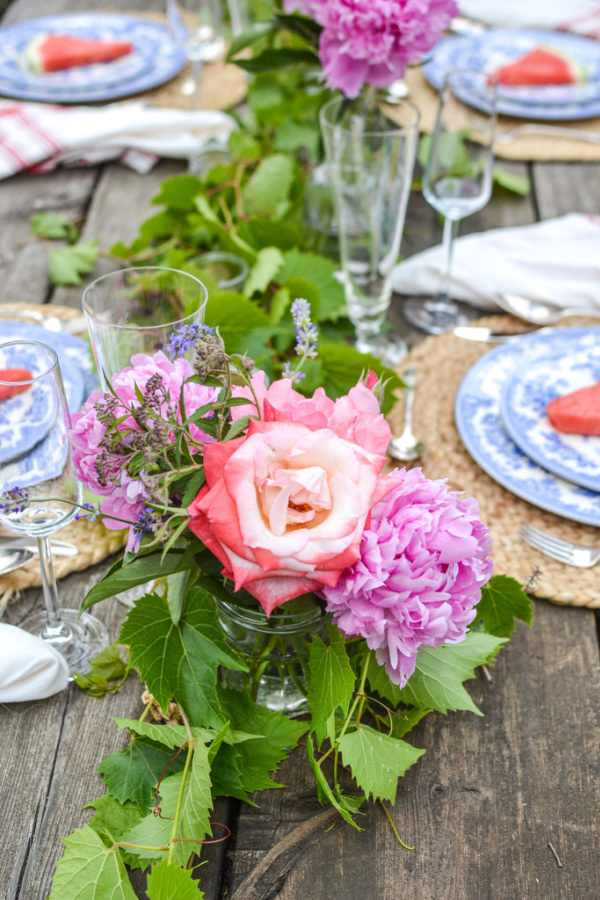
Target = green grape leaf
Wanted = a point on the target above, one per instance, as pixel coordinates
(405, 720)
(178, 193)
(89, 869)
(437, 682)
(141, 570)
(68, 264)
(332, 681)
(267, 192)
(292, 136)
(377, 761)
(54, 226)
(180, 661)
(279, 736)
(171, 882)
(318, 271)
(133, 773)
(342, 366)
(172, 736)
(194, 823)
(264, 271)
(518, 184)
(226, 774)
(379, 682)
(112, 820)
(265, 233)
(502, 601)
(108, 671)
(273, 59)
(326, 794)
(235, 317)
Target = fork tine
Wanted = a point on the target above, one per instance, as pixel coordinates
(548, 539)
(560, 555)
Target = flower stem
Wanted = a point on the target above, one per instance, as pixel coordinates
(360, 695)
(391, 821)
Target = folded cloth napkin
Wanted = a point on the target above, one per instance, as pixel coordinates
(557, 261)
(30, 668)
(581, 16)
(38, 136)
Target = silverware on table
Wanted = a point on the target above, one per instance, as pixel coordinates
(580, 555)
(59, 548)
(538, 313)
(480, 333)
(14, 559)
(507, 137)
(407, 447)
(51, 323)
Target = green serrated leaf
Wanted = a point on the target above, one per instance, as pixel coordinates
(265, 233)
(380, 683)
(88, 869)
(272, 59)
(319, 271)
(502, 601)
(54, 226)
(325, 792)
(179, 192)
(171, 882)
(194, 823)
(133, 773)
(264, 271)
(518, 184)
(172, 736)
(226, 774)
(332, 681)
(107, 672)
(68, 264)
(342, 366)
(267, 192)
(140, 570)
(377, 761)
(405, 720)
(180, 661)
(437, 682)
(235, 317)
(112, 820)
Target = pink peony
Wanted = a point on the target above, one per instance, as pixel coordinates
(355, 417)
(127, 499)
(284, 507)
(373, 41)
(423, 562)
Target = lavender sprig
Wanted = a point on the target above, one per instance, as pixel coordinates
(307, 335)
(15, 500)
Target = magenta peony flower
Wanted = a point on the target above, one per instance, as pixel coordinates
(373, 41)
(423, 562)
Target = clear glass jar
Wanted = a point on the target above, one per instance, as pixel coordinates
(276, 649)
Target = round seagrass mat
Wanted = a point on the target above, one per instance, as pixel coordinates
(442, 362)
(95, 542)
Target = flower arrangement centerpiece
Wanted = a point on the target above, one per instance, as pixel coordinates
(240, 492)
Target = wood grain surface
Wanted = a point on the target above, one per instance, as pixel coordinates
(490, 794)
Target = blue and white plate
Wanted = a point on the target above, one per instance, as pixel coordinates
(479, 422)
(46, 460)
(489, 51)
(26, 418)
(153, 60)
(523, 406)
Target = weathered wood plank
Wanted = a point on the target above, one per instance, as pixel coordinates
(566, 187)
(482, 804)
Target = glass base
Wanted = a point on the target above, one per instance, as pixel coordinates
(434, 316)
(80, 638)
(390, 350)
(276, 689)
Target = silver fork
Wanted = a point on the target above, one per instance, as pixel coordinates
(579, 555)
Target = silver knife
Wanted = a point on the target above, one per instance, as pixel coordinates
(59, 548)
(480, 333)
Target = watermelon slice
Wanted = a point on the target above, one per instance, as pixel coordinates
(578, 412)
(51, 52)
(543, 65)
(8, 390)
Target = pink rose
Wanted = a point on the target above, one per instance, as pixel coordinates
(284, 507)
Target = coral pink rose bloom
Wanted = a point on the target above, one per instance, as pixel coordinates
(284, 507)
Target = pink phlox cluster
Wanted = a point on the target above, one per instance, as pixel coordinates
(127, 499)
(356, 417)
(424, 559)
(373, 41)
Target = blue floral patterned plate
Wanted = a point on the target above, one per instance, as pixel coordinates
(489, 51)
(153, 60)
(523, 406)
(479, 422)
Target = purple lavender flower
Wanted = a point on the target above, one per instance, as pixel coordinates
(184, 339)
(89, 511)
(14, 501)
(306, 333)
(424, 559)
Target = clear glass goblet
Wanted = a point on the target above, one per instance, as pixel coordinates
(371, 161)
(36, 499)
(136, 310)
(196, 25)
(458, 179)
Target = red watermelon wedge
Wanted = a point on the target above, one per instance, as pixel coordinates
(577, 413)
(51, 52)
(543, 65)
(9, 390)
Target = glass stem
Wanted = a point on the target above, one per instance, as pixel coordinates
(450, 229)
(54, 627)
(196, 75)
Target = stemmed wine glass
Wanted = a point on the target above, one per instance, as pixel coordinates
(370, 160)
(36, 499)
(458, 178)
(196, 25)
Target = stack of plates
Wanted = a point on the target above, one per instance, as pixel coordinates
(30, 449)
(501, 417)
(493, 49)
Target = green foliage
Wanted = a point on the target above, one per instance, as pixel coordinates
(54, 227)
(170, 882)
(89, 869)
(68, 264)
(518, 184)
(108, 672)
(331, 682)
(502, 601)
(132, 774)
(377, 760)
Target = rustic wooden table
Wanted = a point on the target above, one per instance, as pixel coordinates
(490, 794)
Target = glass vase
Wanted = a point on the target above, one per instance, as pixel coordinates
(275, 649)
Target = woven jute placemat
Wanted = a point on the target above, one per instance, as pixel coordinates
(534, 147)
(95, 542)
(441, 363)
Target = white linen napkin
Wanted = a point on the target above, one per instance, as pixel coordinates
(581, 16)
(30, 668)
(39, 137)
(557, 261)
